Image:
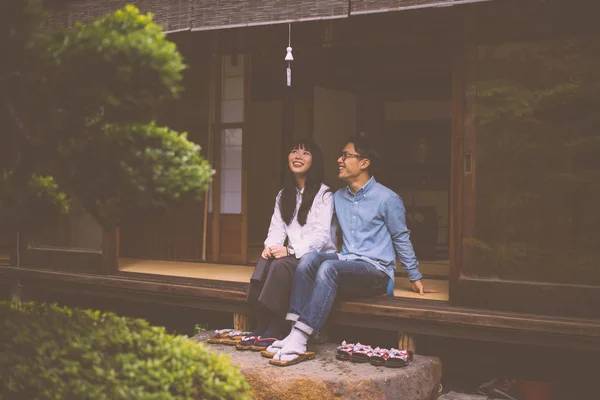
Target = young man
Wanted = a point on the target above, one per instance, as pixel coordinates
(372, 218)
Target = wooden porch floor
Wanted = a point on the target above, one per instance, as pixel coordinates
(242, 273)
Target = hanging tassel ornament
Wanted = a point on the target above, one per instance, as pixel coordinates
(289, 57)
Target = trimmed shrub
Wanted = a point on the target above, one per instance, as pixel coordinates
(52, 352)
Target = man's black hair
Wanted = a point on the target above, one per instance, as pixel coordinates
(364, 149)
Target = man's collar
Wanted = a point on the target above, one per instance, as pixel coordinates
(365, 189)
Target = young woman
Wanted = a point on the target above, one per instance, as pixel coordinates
(303, 215)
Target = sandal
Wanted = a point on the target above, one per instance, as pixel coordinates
(247, 342)
(379, 357)
(397, 358)
(498, 388)
(220, 334)
(261, 344)
(309, 355)
(361, 353)
(268, 354)
(344, 351)
(235, 337)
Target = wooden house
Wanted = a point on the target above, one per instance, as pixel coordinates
(486, 113)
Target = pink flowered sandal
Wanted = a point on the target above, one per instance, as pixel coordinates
(220, 334)
(344, 351)
(361, 353)
(379, 357)
(397, 358)
(247, 342)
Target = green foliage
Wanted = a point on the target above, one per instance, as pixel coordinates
(45, 188)
(79, 106)
(120, 65)
(42, 202)
(51, 352)
(147, 168)
(199, 328)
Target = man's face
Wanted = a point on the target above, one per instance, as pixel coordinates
(350, 164)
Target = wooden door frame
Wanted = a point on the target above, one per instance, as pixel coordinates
(216, 129)
(456, 170)
(545, 298)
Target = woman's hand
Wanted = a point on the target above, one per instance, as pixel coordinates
(266, 253)
(278, 251)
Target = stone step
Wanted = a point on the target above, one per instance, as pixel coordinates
(325, 377)
(462, 396)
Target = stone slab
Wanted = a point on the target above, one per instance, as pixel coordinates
(325, 377)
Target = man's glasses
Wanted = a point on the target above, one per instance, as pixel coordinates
(345, 154)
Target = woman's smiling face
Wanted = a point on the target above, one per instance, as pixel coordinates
(300, 161)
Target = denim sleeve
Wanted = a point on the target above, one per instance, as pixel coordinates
(394, 215)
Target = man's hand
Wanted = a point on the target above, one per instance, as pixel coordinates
(278, 251)
(418, 287)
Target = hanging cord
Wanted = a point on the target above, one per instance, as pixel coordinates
(289, 57)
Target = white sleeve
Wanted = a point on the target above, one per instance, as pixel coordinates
(318, 225)
(277, 229)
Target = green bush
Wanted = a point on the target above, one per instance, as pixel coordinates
(52, 352)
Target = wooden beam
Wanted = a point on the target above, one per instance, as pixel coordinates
(558, 299)
(241, 322)
(80, 260)
(407, 342)
(419, 310)
(72, 280)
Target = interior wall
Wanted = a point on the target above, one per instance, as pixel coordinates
(334, 122)
(78, 230)
(302, 125)
(424, 111)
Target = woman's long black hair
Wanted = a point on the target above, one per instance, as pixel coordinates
(312, 184)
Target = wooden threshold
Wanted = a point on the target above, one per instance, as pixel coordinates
(242, 274)
(401, 314)
(436, 269)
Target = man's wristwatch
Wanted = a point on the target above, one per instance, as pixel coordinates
(290, 250)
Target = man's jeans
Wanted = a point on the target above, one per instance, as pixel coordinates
(320, 277)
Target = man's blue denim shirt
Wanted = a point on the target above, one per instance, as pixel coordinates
(373, 222)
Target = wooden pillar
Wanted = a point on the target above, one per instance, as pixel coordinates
(241, 322)
(110, 251)
(407, 341)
